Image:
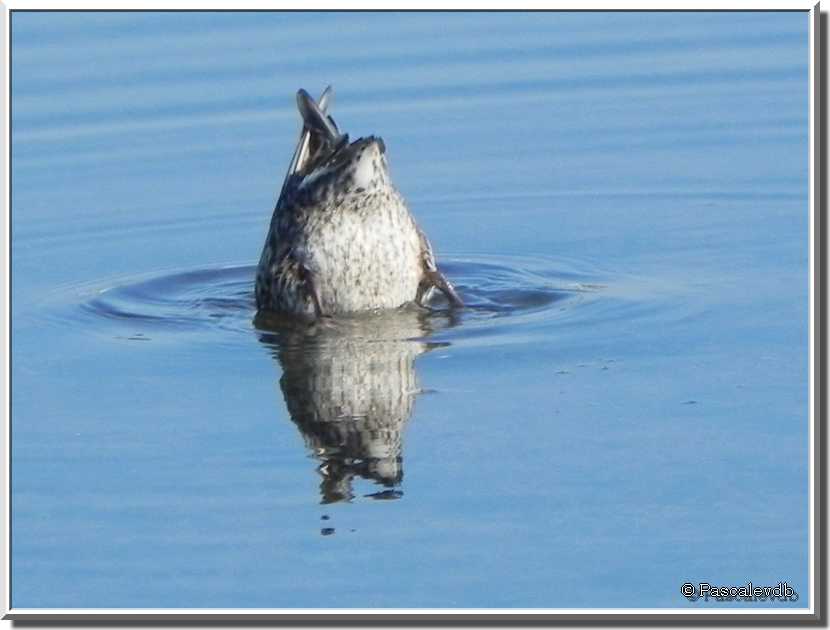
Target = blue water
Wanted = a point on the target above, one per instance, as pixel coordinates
(622, 200)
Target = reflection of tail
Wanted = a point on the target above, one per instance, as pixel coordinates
(350, 386)
(351, 401)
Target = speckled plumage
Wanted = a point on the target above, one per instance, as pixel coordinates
(350, 385)
(341, 238)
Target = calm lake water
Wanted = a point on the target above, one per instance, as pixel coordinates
(622, 200)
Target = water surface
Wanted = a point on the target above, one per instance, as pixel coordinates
(621, 199)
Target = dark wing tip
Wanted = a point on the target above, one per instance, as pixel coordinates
(324, 102)
(314, 116)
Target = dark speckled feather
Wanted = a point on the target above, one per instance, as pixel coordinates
(341, 238)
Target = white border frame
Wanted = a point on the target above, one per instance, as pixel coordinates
(425, 614)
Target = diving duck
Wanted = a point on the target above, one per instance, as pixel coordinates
(342, 239)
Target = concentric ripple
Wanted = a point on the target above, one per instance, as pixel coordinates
(500, 293)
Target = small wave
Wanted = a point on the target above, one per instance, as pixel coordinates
(502, 295)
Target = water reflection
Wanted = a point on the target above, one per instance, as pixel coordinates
(350, 386)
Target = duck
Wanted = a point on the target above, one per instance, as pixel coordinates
(342, 239)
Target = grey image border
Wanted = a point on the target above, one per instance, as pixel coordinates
(818, 595)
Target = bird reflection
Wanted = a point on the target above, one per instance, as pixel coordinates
(350, 386)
